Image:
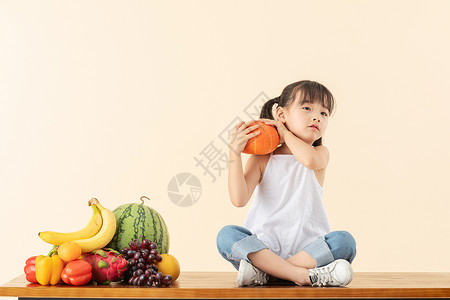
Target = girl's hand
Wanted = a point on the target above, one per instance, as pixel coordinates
(280, 127)
(241, 135)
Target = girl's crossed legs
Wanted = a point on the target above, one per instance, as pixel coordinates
(236, 243)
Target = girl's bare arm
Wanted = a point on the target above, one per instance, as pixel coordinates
(238, 187)
(242, 184)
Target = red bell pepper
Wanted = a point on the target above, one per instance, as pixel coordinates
(30, 269)
(77, 272)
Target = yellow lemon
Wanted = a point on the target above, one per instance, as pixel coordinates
(169, 266)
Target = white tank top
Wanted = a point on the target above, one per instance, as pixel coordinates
(287, 212)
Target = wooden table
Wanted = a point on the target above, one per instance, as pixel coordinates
(201, 285)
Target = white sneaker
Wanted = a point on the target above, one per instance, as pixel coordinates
(250, 275)
(337, 273)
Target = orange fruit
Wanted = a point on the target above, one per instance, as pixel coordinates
(69, 251)
(169, 266)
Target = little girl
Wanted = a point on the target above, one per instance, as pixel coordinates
(286, 233)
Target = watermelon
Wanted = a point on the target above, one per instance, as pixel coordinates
(138, 221)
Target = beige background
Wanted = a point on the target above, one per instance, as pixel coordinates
(112, 99)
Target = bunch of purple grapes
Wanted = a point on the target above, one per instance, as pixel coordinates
(142, 269)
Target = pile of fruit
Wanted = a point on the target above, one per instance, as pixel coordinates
(128, 244)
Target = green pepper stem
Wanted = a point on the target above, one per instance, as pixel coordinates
(53, 250)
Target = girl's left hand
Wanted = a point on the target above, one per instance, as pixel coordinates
(279, 125)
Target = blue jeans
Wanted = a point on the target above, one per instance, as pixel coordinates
(236, 242)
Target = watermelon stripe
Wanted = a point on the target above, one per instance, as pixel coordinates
(119, 229)
(161, 236)
(139, 221)
(154, 226)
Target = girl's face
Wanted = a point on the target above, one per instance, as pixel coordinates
(307, 121)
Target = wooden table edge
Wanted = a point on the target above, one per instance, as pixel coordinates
(235, 293)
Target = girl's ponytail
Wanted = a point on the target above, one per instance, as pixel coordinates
(266, 110)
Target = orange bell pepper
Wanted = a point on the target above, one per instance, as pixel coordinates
(77, 272)
(48, 268)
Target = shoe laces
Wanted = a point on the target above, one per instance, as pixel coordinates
(323, 276)
(260, 277)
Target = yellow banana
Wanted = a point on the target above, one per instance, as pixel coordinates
(106, 233)
(91, 229)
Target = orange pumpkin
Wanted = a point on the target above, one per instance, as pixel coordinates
(265, 142)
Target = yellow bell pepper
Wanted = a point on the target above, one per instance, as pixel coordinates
(48, 269)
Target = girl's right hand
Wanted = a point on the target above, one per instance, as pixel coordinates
(241, 134)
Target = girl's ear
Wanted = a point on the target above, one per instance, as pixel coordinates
(280, 114)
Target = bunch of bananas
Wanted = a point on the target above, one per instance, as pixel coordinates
(97, 234)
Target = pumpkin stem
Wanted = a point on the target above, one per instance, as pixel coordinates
(145, 197)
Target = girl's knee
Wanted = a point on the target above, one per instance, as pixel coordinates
(348, 239)
(225, 233)
(228, 235)
(222, 236)
(343, 245)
